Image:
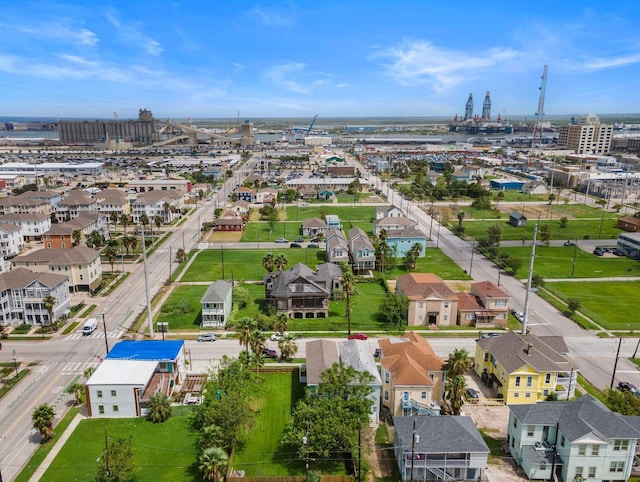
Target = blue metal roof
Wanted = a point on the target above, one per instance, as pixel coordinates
(146, 350)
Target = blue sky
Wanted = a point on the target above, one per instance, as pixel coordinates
(214, 58)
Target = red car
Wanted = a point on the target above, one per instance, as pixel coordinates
(358, 336)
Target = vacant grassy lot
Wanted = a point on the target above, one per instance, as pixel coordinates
(182, 308)
(611, 304)
(575, 229)
(557, 262)
(434, 261)
(161, 452)
(345, 213)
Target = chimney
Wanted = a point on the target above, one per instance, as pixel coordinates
(529, 347)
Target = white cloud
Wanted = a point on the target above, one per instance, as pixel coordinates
(132, 34)
(420, 62)
(282, 76)
(603, 63)
(59, 29)
(271, 18)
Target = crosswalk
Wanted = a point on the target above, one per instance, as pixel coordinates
(70, 368)
(96, 334)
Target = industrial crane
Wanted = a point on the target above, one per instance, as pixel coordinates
(313, 121)
(540, 112)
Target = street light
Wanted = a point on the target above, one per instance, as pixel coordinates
(305, 441)
(15, 365)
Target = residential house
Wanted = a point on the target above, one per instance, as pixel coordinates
(535, 187)
(413, 380)
(131, 373)
(313, 227)
(580, 439)
(323, 354)
(113, 201)
(216, 304)
(61, 234)
(22, 294)
(487, 305)
(363, 256)
(402, 240)
(241, 208)
(333, 273)
(244, 193)
(267, 195)
(11, 240)
(525, 369)
(333, 222)
(80, 264)
(23, 205)
(49, 196)
(392, 211)
(228, 221)
(629, 223)
(431, 301)
(439, 448)
(467, 173)
(32, 226)
(299, 292)
(157, 203)
(517, 220)
(336, 247)
(396, 223)
(73, 203)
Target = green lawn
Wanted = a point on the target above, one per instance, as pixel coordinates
(245, 264)
(161, 452)
(175, 311)
(345, 213)
(257, 231)
(608, 303)
(434, 261)
(557, 262)
(517, 196)
(575, 229)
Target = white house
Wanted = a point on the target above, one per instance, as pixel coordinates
(33, 225)
(11, 240)
(216, 304)
(157, 203)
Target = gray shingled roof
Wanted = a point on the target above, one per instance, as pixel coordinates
(441, 434)
(79, 254)
(298, 282)
(322, 354)
(578, 418)
(19, 278)
(217, 291)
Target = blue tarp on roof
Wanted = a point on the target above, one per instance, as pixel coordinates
(146, 350)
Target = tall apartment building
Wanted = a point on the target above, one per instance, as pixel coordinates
(587, 137)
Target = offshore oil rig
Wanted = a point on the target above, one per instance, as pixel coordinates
(473, 124)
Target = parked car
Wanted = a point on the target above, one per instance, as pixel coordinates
(300, 240)
(569, 243)
(281, 240)
(315, 240)
(268, 353)
(490, 335)
(598, 252)
(278, 336)
(295, 245)
(518, 315)
(472, 395)
(313, 245)
(358, 336)
(629, 387)
(304, 204)
(207, 337)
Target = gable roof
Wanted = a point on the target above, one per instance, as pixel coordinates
(314, 223)
(77, 254)
(19, 278)
(418, 286)
(488, 289)
(409, 359)
(298, 282)
(155, 196)
(441, 434)
(408, 232)
(217, 291)
(112, 196)
(578, 418)
(76, 198)
(514, 350)
(322, 354)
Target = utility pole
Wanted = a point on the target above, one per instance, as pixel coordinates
(104, 327)
(413, 446)
(222, 249)
(569, 387)
(615, 364)
(169, 264)
(146, 284)
(575, 252)
(473, 248)
(525, 316)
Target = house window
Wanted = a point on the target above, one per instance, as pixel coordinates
(529, 381)
(115, 408)
(527, 395)
(616, 467)
(386, 395)
(582, 450)
(516, 395)
(562, 440)
(547, 378)
(579, 471)
(621, 445)
(530, 430)
(501, 303)
(421, 304)
(99, 393)
(113, 393)
(101, 409)
(515, 423)
(446, 305)
(592, 472)
(486, 356)
(595, 450)
(386, 377)
(517, 381)
(423, 395)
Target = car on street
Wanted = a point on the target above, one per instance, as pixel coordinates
(269, 353)
(300, 240)
(281, 240)
(490, 335)
(629, 387)
(358, 336)
(295, 245)
(598, 252)
(315, 240)
(518, 315)
(278, 336)
(304, 204)
(472, 395)
(569, 243)
(313, 245)
(207, 337)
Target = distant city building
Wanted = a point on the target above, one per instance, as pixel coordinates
(589, 136)
(89, 132)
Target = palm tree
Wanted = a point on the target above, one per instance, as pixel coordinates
(257, 339)
(383, 249)
(42, 419)
(77, 390)
(124, 220)
(88, 372)
(288, 347)
(181, 255)
(111, 253)
(113, 217)
(244, 327)
(76, 235)
(213, 463)
(49, 303)
(268, 262)
(281, 322)
(458, 363)
(281, 262)
(126, 243)
(347, 288)
(95, 239)
(158, 221)
(159, 408)
(454, 393)
(257, 359)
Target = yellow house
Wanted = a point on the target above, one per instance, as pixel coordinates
(412, 376)
(525, 368)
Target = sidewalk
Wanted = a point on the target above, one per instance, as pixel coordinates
(58, 444)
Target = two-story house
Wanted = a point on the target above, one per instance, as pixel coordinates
(32, 225)
(244, 193)
(11, 240)
(23, 205)
(524, 369)
(400, 241)
(363, 256)
(486, 305)
(267, 195)
(336, 247)
(580, 440)
(216, 304)
(393, 223)
(112, 200)
(157, 203)
(431, 301)
(49, 196)
(412, 376)
(392, 211)
(73, 203)
(61, 234)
